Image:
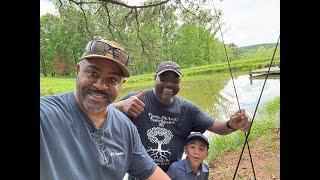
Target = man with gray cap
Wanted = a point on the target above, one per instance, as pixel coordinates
(81, 136)
(164, 120)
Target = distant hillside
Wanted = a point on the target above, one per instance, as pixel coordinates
(252, 48)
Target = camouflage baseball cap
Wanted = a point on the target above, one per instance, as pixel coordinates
(109, 50)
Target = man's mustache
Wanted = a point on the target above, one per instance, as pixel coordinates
(95, 90)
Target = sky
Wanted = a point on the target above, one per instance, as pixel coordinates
(247, 22)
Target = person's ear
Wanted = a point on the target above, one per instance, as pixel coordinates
(207, 153)
(78, 68)
(185, 148)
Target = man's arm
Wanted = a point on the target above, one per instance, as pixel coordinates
(239, 120)
(220, 127)
(158, 174)
(133, 106)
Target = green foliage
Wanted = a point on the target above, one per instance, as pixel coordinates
(148, 38)
(196, 46)
(258, 51)
(156, 34)
(61, 43)
(253, 48)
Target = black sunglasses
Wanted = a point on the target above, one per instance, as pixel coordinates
(102, 48)
(166, 79)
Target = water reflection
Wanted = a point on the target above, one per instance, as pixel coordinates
(248, 91)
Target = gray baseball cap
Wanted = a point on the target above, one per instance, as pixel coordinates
(198, 135)
(168, 66)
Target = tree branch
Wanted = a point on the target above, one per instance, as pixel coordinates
(109, 20)
(98, 9)
(134, 7)
(187, 9)
(138, 33)
(110, 24)
(127, 15)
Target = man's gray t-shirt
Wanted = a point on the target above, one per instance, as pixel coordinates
(72, 148)
(164, 129)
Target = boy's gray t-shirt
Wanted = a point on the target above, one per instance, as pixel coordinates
(164, 129)
(72, 148)
(181, 170)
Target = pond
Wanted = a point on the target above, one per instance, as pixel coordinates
(248, 91)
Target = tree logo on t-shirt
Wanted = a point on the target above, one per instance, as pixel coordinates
(160, 136)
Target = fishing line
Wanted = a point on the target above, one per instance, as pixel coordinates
(234, 87)
(265, 80)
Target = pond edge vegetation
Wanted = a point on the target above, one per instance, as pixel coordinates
(266, 122)
(54, 85)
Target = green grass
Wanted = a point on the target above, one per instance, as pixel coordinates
(236, 66)
(54, 85)
(266, 122)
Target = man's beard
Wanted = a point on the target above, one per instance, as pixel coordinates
(164, 94)
(92, 104)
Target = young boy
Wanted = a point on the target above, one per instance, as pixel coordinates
(192, 167)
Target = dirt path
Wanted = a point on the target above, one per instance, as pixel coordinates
(265, 157)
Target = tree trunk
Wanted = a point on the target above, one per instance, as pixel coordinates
(74, 57)
(43, 65)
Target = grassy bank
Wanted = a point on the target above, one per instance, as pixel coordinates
(54, 85)
(266, 122)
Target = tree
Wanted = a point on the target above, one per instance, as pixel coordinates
(156, 31)
(61, 43)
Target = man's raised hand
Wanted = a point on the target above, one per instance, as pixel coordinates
(133, 106)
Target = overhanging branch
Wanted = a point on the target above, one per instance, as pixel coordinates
(134, 7)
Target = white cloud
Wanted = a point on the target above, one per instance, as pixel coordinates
(251, 22)
(46, 6)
